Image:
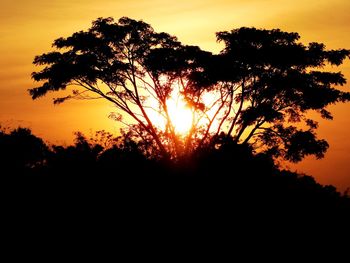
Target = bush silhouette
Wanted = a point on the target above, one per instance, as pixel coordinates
(221, 179)
(21, 152)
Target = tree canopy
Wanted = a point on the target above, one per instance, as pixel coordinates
(258, 90)
(20, 150)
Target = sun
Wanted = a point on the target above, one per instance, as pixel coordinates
(180, 115)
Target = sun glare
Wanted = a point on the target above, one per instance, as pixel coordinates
(180, 114)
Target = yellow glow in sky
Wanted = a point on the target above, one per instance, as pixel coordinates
(28, 28)
(180, 115)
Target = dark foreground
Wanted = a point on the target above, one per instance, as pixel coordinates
(220, 181)
(223, 201)
(225, 191)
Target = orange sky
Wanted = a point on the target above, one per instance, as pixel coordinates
(28, 27)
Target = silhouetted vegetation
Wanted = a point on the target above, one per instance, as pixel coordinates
(229, 176)
(21, 152)
(261, 86)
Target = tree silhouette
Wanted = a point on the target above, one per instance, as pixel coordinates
(212, 181)
(276, 81)
(20, 151)
(257, 91)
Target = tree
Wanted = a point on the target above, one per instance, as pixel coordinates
(21, 151)
(256, 91)
(274, 81)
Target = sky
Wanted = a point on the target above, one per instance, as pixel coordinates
(28, 28)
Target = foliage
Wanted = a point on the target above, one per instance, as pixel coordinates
(261, 86)
(215, 179)
(20, 150)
